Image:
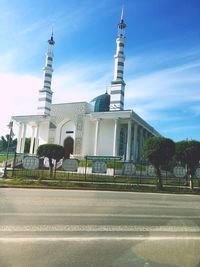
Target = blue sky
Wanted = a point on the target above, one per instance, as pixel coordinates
(162, 68)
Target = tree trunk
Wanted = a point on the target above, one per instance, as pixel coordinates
(159, 178)
(50, 168)
(191, 173)
(55, 167)
(191, 182)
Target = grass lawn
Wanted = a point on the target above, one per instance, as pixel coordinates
(75, 182)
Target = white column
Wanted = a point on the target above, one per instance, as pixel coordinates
(32, 140)
(146, 134)
(128, 145)
(96, 137)
(37, 139)
(23, 139)
(19, 139)
(115, 139)
(141, 141)
(135, 141)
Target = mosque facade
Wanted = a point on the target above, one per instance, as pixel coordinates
(99, 128)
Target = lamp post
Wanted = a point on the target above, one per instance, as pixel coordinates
(11, 134)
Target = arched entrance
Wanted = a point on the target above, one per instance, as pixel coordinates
(69, 147)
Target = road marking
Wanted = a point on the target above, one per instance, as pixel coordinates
(97, 228)
(104, 238)
(99, 215)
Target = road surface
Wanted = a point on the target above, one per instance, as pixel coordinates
(91, 228)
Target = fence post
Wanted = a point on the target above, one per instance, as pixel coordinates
(114, 170)
(85, 167)
(141, 165)
(55, 167)
(14, 162)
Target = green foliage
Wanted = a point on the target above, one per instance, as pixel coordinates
(188, 152)
(158, 151)
(1, 145)
(4, 143)
(51, 151)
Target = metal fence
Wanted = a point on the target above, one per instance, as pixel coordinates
(107, 170)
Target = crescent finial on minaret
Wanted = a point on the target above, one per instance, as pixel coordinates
(51, 40)
(122, 25)
(122, 14)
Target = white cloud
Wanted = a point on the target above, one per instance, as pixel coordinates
(165, 89)
(18, 97)
(80, 82)
(7, 58)
(181, 128)
(71, 83)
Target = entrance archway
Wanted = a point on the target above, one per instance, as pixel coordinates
(69, 147)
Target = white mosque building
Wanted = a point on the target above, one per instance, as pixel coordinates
(99, 128)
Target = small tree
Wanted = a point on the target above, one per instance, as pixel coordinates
(158, 151)
(7, 140)
(51, 151)
(188, 152)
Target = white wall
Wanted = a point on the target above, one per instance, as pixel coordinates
(88, 137)
(106, 138)
(105, 141)
(43, 133)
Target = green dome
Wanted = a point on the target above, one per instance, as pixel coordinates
(101, 103)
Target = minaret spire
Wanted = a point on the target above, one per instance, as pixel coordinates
(122, 14)
(45, 94)
(118, 84)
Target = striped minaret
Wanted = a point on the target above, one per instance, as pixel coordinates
(118, 84)
(45, 94)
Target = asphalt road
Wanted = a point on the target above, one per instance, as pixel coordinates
(89, 228)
